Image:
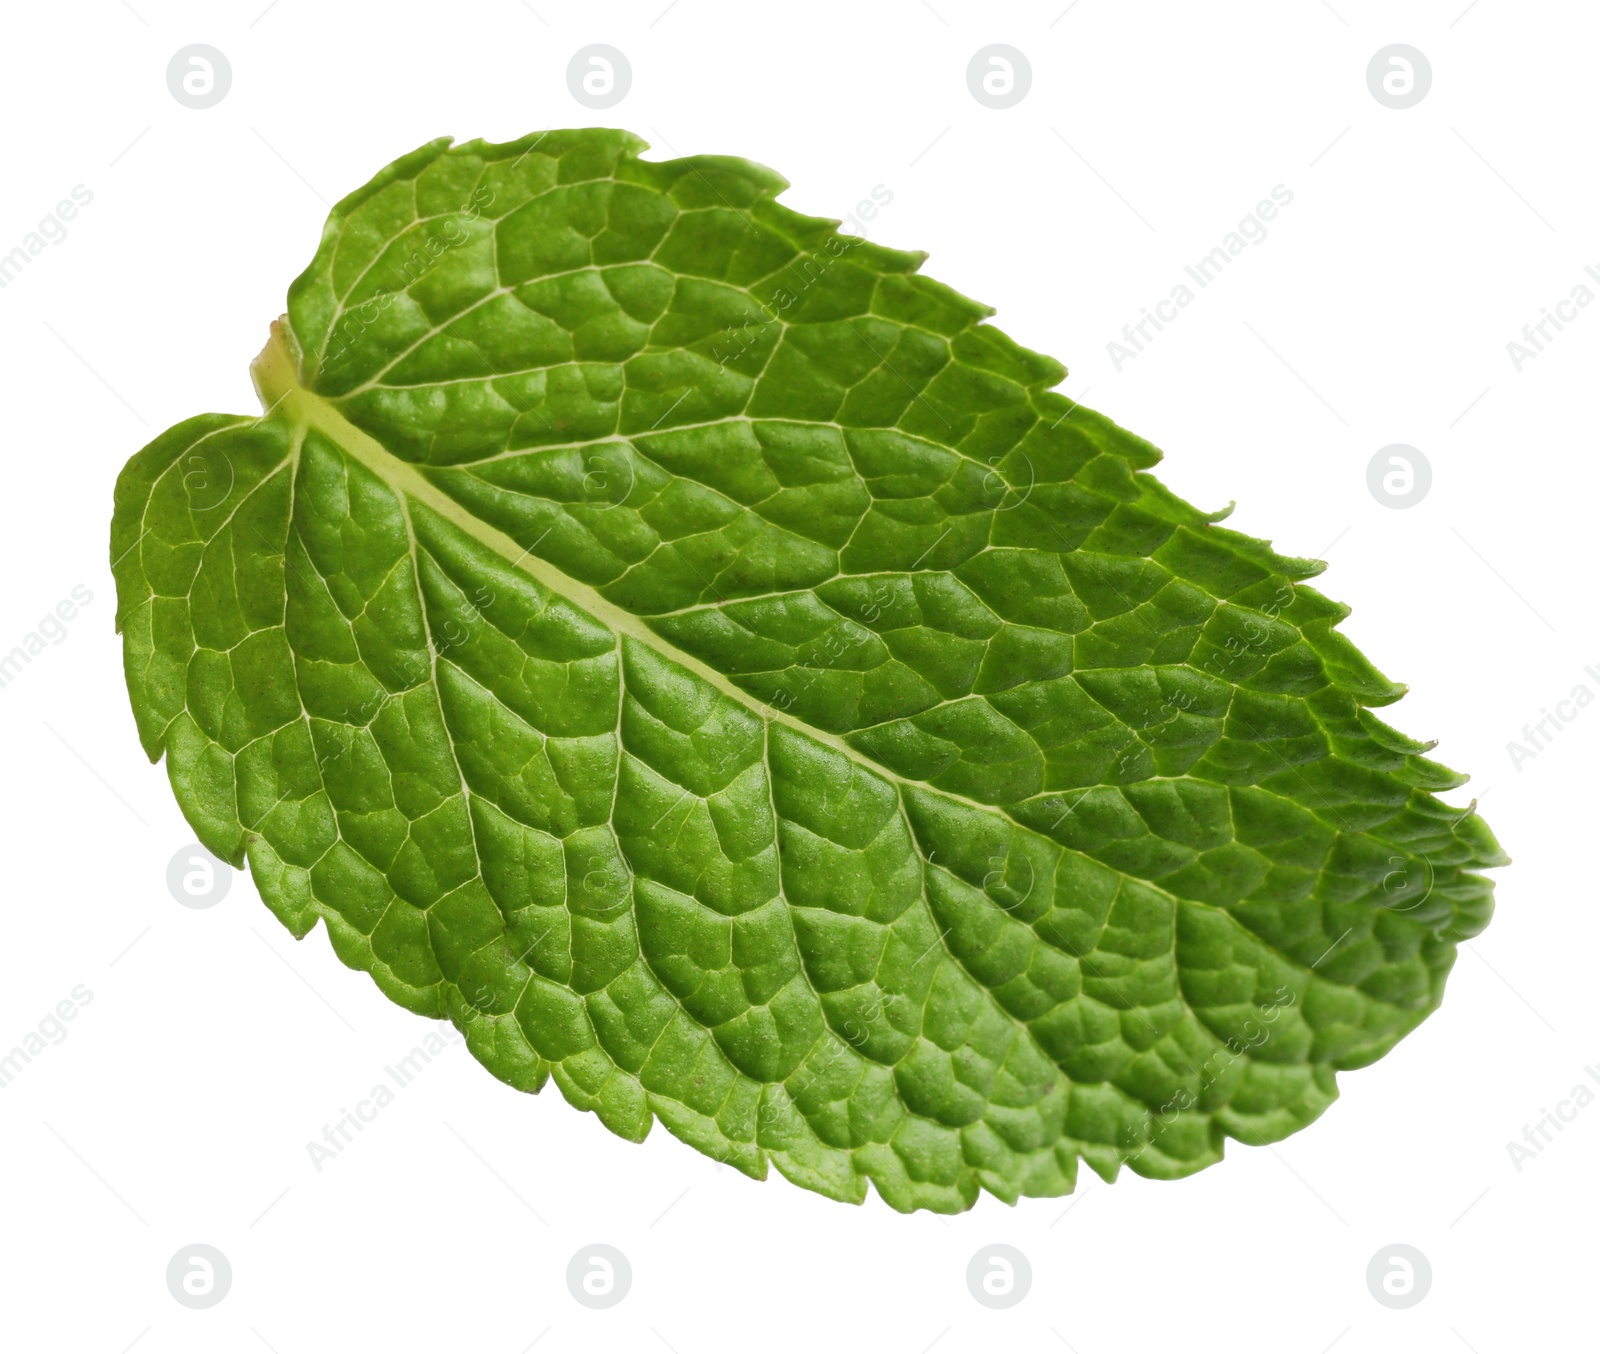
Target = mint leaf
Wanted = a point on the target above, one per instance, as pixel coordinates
(695, 654)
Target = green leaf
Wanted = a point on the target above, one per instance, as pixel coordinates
(698, 656)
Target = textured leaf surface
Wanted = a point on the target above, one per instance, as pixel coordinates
(696, 655)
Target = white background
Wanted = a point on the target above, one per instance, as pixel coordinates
(1377, 310)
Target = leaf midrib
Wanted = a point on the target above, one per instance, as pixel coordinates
(282, 395)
